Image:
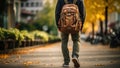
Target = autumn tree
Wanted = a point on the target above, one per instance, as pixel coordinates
(46, 18)
(95, 9)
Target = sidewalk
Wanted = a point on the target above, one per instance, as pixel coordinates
(50, 56)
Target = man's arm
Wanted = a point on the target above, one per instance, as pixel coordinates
(58, 11)
(82, 11)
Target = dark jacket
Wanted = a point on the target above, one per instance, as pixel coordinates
(60, 4)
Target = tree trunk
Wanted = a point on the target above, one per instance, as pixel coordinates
(93, 31)
(11, 14)
(101, 28)
(106, 17)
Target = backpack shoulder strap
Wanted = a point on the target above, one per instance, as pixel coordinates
(74, 1)
(66, 1)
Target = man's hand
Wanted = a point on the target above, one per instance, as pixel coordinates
(80, 25)
(59, 29)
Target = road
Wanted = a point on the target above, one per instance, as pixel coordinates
(50, 56)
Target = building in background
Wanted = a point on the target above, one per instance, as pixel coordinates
(30, 8)
(114, 20)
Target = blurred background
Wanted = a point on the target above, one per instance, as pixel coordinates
(33, 21)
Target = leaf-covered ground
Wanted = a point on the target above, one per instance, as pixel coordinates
(50, 56)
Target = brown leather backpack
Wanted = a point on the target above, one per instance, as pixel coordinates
(69, 21)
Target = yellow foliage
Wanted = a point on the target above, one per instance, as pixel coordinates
(95, 10)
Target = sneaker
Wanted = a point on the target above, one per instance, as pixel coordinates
(65, 65)
(76, 62)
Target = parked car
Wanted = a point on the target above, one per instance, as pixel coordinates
(115, 40)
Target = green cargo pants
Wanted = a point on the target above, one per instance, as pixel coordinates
(76, 44)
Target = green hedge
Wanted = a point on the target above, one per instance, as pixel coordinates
(18, 35)
(14, 38)
(12, 34)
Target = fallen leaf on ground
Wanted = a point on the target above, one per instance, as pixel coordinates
(6, 62)
(3, 56)
(99, 65)
(28, 63)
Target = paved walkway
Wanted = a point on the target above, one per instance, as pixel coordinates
(91, 56)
